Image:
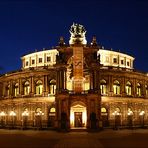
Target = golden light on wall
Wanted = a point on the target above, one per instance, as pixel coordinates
(78, 68)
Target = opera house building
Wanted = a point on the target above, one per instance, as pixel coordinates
(75, 85)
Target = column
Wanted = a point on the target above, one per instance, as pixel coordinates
(110, 85)
(11, 88)
(123, 87)
(91, 80)
(61, 79)
(32, 85)
(20, 87)
(4, 89)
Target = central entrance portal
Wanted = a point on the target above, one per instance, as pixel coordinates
(78, 116)
(78, 119)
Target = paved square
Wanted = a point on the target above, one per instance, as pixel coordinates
(52, 139)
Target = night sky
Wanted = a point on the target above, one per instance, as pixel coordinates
(26, 25)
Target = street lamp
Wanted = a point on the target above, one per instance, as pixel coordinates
(2, 115)
(12, 115)
(25, 115)
(130, 118)
(39, 115)
(142, 113)
(115, 114)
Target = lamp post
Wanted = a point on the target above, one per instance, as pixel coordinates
(130, 118)
(142, 113)
(2, 115)
(115, 114)
(39, 115)
(25, 115)
(12, 115)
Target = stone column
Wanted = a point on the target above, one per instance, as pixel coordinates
(110, 85)
(61, 79)
(46, 86)
(4, 89)
(20, 87)
(11, 88)
(32, 85)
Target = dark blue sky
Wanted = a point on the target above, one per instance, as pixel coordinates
(26, 25)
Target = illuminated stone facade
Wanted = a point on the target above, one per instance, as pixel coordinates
(78, 85)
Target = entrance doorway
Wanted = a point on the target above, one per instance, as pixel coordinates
(78, 119)
(78, 115)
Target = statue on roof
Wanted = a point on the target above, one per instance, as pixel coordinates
(77, 32)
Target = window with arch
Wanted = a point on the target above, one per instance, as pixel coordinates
(128, 88)
(39, 87)
(8, 90)
(103, 87)
(16, 89)
(129, 112)
(38, 112)
(146, 90)
(26, 88)
(52, 111)
(52, 87)
(138, 89)
(117, 111)
(103, 111)
(116, 87)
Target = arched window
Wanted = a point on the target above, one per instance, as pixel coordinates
(52, 87)
(26, 88)
(117, 111)
(52, 111)
(39, 87)
(138, 89)
(129, 112)
(128, 88)
(116, 87)
(38, 112)
(103, 87)
(103, 111)
(146, 90)
(8, 90)
(16, 89)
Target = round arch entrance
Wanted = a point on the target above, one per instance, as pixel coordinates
(78, 115)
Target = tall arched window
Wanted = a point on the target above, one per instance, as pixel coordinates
(138, 89)
(8, 90)
(128, 88)
(116, 87)
(52, 87)
(16, 89)
(103, 87)
(39, 87)
(26, 88)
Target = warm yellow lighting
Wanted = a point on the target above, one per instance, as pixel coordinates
(103, 110)
(12, 113)
(130, 113)
(76, 109)
(52, 110)
(2, 114)
(116, 113)
(25, 113)
(72, 118)
(142, 113)
(40, 113)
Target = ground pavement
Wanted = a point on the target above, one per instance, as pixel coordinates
(109, 138)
